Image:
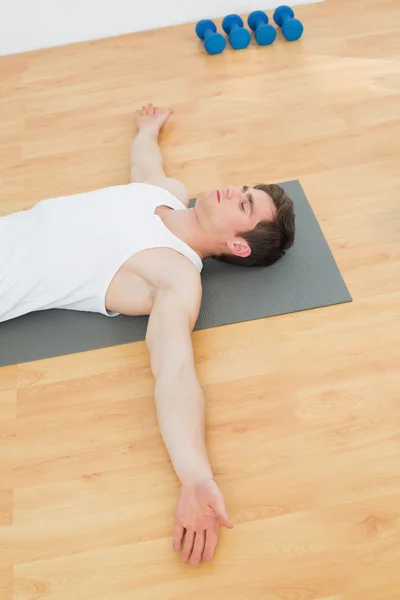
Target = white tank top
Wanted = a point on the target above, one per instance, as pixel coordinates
(64, 252)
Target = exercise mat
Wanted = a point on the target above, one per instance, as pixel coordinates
(306, 277)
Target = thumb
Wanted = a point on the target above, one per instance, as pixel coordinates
(222, 515)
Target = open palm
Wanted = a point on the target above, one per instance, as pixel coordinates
(200, 512)
(151, 117)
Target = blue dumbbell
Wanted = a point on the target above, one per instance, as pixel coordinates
(214, 42)
(239, 37)
(292, 29)
(264, 33)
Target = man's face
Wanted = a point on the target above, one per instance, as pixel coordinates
(224, 213)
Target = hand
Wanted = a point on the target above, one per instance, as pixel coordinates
(199, 514)
(151, 117)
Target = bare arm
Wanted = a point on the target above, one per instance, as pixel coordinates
(181, 415)
(146, 158)
(179, 398)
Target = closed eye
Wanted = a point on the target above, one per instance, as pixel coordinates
(251, 202)
(249, 199)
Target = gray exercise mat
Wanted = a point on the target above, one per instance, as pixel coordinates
(306, 277)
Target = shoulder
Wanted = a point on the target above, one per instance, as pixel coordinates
(176, 284)
(175, 187)
(183, 275)
(166, 268)
(178, 273)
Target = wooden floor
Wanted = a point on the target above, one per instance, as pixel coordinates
(303, 409)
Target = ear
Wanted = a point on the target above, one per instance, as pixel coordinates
(240, 248)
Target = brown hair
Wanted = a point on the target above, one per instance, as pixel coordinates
(269, 239)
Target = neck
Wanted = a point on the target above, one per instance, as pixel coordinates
(184, 224)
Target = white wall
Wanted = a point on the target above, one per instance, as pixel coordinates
(33, 24)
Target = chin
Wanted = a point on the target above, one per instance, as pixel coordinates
(201, 197)
(202, 201)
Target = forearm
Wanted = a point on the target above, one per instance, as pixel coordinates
(146, 159)
(181, 415)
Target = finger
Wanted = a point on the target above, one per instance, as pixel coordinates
(188, 544)
(157, 110)
(224, 520)
(144, 110)
(167, 113)
(178, 537)
(210, 543)
(222, 515)
(198, 548)
(151, 109)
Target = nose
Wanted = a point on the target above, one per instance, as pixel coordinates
(232, 192)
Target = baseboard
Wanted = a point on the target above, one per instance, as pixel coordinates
(27, 25)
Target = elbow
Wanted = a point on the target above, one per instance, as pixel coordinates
(167, 365)
(173, 369)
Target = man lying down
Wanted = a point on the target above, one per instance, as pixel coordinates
(138, 249)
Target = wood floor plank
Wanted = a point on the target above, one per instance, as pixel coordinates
(303, 413)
